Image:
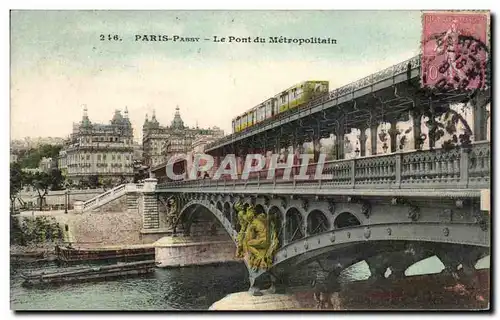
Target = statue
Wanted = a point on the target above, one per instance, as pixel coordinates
(257, 239)
(172, 212)
(244, 218)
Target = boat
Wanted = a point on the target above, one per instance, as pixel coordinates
(70, 254)
(81, 274)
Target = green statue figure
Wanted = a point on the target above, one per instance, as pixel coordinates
(257, 240)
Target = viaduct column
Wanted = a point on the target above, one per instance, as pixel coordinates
(340, 141)
(150, 214)
(362, 141)
(393, 134)
(373, 138)
(480, 119)
(417, 130)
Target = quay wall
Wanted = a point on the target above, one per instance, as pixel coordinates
(195, 251)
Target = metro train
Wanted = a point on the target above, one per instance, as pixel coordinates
(293, 97)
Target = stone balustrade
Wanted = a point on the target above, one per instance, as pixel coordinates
(108, 196)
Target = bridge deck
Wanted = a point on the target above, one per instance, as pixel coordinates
(419, 172)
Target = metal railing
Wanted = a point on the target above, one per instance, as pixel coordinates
(457, 168)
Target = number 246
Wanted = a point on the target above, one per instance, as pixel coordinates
(109, 37)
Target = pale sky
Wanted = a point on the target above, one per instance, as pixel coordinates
(59, 64)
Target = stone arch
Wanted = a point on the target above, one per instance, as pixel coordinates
(317, 222)
(346, 219)
(276, 215)
(294, 228)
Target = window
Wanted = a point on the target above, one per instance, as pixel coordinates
(98, 157)
(104, 157)
(119, 157)
(126, 157)
(113, 157)
(88, 157)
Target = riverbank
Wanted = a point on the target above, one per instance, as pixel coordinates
(34, 252)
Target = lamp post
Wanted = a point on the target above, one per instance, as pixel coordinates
(66, 201)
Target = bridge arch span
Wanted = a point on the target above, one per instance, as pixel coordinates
(190, 207)
(317, 222)
(354, 209)
(294, 225)
(346, 219)
(220, 206)
(227, 211)
(276, 213)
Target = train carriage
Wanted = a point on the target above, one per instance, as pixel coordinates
(291, 98)
(301, 94)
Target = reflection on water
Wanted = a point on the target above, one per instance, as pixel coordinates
(194, 288)
(360, 271)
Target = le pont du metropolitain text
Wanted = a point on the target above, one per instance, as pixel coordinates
(234, 39)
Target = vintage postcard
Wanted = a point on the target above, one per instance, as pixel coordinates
(250, 160)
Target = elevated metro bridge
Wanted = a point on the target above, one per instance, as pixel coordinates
(391, 95)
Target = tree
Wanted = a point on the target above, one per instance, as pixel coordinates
(122, 179)
(94, 181)
(57, 180)
(17, 178)
(31, 158)
(107, 183)
(43, 181)
(140, 174)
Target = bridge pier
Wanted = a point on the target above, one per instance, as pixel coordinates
(149, 204)
(185, 251)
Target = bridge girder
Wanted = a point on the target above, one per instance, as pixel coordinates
(436, 224)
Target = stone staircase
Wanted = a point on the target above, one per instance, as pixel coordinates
(111, 195)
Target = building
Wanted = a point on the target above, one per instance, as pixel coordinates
(47, 164)
(161, 142)
(138, 153)
(31, 170)
(103, 150)
(202, 140)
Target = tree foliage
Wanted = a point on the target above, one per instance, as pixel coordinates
(42, 182)
(31, 158)
(34, 230)
(17, 178)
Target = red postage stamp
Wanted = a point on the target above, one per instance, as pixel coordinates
(454, 50)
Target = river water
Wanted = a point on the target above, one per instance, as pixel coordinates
(192, 288)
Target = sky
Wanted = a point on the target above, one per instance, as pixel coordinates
(59, 63)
